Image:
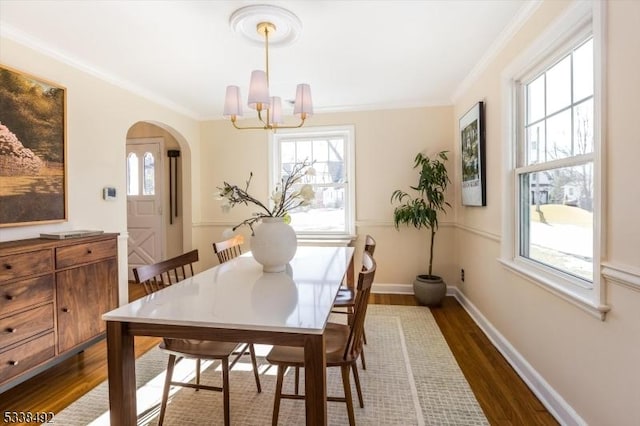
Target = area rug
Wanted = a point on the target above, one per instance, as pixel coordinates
(411, 378)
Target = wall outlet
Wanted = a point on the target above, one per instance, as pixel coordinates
(462, 275)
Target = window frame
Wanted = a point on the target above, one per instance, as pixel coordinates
(524, 167)
(348, 133)
(559, 39)
(141, 170)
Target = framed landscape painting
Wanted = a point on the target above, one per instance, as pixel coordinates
(472, 142)
(32, 150)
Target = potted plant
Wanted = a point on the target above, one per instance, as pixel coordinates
(273, 241)
(422, 211)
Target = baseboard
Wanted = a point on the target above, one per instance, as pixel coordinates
(552, 400)
(391, 288)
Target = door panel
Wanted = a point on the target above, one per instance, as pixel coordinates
(144, 204)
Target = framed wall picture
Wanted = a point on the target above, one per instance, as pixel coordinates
(472, 140)
(32, 150)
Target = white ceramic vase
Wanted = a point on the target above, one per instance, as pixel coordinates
(273, 244)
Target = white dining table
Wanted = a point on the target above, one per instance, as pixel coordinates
(236, 302)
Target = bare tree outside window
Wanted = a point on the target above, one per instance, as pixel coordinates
(556, 174)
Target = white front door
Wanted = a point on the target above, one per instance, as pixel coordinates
(144, 202)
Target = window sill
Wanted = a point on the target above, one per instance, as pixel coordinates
(577, 297)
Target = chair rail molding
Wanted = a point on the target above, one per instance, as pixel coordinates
(216, 223)
(488, 235)
(390, 224)
(359, 224)
(621, 274)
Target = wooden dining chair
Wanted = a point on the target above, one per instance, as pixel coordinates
(346, 298)
(228, 249)
(159, 275)
(343, 347)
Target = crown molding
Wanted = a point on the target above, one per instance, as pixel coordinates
(7, 31)
(507, 34)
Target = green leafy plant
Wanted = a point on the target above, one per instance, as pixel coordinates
(423, 209)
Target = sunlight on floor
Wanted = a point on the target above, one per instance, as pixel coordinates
(149, 395)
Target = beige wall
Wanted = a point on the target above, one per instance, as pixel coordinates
(98, 117)
(386, 144)
(592, 365)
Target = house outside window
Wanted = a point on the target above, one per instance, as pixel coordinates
(555, 170)
(331, 214)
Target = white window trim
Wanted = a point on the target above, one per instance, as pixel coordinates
(565, 27)
(350, 206)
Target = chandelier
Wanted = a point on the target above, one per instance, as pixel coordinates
(268, 108)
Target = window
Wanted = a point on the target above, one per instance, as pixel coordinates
(555, 168)
(149, 174)
(552, 204)
(132, 175)
(331, 214)
(135, 177)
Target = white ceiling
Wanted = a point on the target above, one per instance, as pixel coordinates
(357, 55)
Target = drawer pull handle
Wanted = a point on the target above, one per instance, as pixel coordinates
(7, 266)
(89, 251)
(10, 297)
(66, 310)
(12, 362)
(12, 330)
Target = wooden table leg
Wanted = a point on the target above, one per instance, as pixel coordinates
(122, 375)
(315, 380)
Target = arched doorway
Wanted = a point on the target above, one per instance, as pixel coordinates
(155, 194)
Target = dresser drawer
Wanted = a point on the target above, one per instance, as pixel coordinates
(84, 253)
(21, 294)
(26, 356)
(26, 324)
(25, 264)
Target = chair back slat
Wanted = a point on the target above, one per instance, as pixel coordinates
(369, 244)
(159, 275)
(365, 281)
(228, 249)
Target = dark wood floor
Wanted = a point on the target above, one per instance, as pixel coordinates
(503, 396)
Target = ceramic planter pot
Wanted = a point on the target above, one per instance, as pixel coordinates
(429, 290)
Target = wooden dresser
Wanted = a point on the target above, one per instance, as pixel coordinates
(52, 296)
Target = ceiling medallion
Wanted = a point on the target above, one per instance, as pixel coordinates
(274, 26)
